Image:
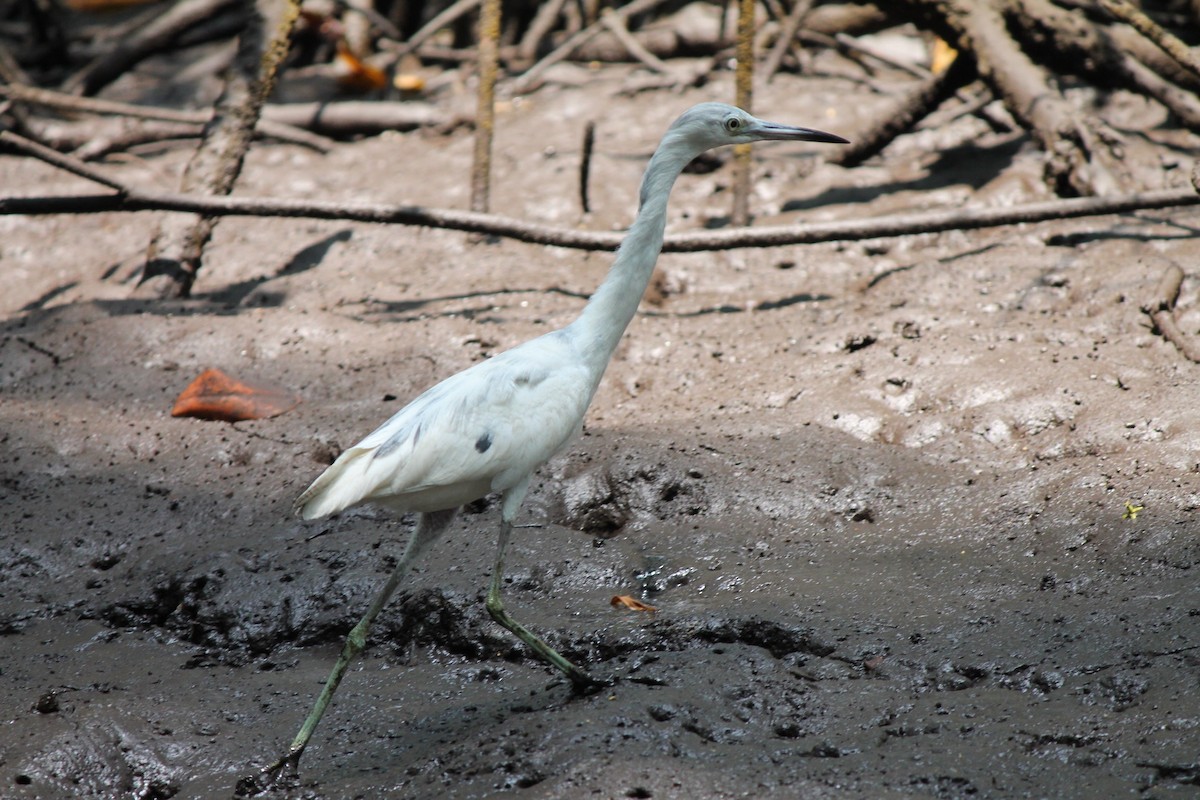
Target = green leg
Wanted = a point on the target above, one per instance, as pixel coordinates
(580, 679)
(429, 528)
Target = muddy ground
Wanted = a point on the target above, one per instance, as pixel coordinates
(876, 491)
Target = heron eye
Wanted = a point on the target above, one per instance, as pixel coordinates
(732, 124)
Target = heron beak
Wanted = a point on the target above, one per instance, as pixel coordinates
(773, 131)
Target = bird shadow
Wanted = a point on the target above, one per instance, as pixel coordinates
(305, 259)
(969, 164)
(228, 299)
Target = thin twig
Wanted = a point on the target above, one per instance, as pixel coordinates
(131, 199)
(531, 78)
(1162, 311)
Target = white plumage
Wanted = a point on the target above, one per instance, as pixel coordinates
(488, 428)
(483, 430)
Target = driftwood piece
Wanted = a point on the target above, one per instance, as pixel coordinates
(1161, 309)
(130, 199)
(1080, 154)
(174, 254)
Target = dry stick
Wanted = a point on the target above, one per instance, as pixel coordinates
(744, 92)
(1162, 311)
(153, 37)
(129, 199)
(485, 109)
(787, 36)
(68, 102)
(133, 200)
(617, 26)
(174, 254)
(919, 103)
(1169, 44)
(531, 78)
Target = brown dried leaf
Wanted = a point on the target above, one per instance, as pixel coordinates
(216, 396)
(630, 603)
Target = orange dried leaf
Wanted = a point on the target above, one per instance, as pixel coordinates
(409, 83)
(359, 75)
(216, 396)
(625, 601)
(943, 56)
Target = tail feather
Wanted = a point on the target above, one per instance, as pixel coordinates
(337, 488)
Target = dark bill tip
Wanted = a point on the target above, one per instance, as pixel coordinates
(777, 132)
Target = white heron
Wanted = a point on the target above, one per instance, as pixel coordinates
(488, 428)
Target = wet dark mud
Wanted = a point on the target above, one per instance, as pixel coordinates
(918, 517)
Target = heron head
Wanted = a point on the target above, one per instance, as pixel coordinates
(709, 125)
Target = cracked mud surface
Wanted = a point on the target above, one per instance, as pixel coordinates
(875, 490)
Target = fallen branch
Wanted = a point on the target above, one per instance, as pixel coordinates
(1162, 311)
(275, 127)
(130, 199)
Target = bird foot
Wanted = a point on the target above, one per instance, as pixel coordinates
(284, 774)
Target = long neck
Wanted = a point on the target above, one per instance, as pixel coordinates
(603, 321)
